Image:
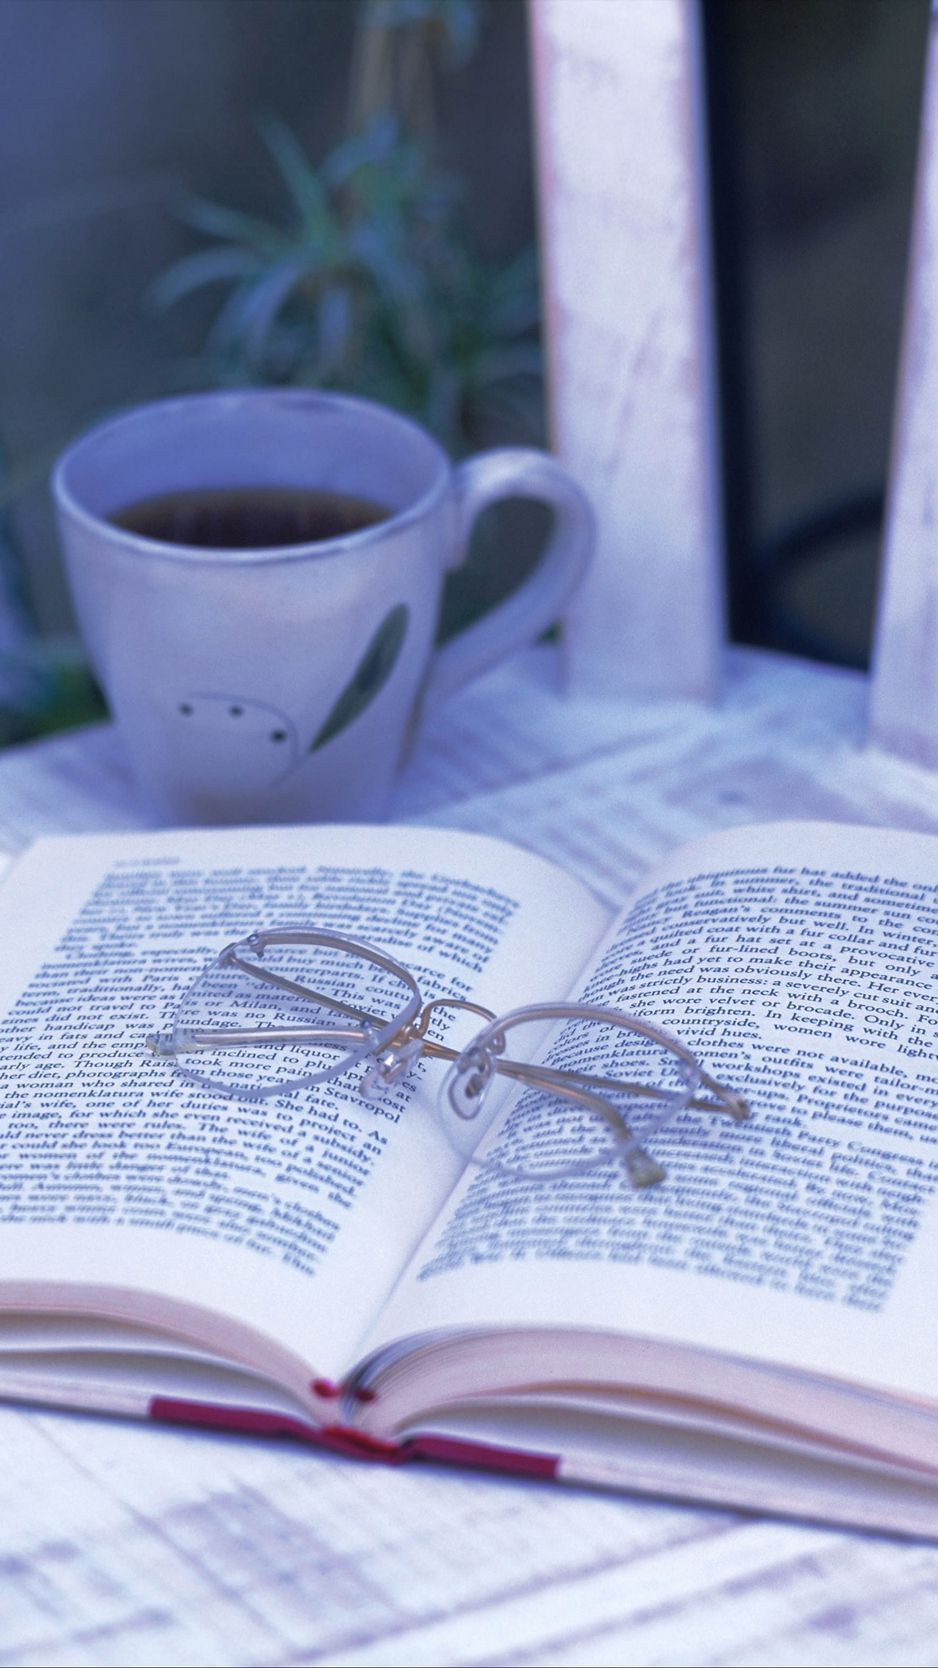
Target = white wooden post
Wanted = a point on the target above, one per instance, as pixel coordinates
(904, 695)
(625, 264)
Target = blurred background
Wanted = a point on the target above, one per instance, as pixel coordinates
(339, 192)
(814, 115)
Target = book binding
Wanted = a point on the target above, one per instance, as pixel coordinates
(355, 1444)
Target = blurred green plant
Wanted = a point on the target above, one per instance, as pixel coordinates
(47, 687)
(45, 683)
(370, 281)
(367, 281)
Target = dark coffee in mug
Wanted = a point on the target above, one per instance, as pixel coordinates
(248, 518)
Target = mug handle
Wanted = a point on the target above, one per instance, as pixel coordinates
(513, 472)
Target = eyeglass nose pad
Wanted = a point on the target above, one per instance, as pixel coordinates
(390, 1067)
(641, 1169)
(689, 1075)
(471, 1075)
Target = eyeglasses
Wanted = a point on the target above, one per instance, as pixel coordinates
(290, 1008)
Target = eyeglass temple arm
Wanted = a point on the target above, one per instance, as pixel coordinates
(192, 1041)
(204, 1038)
(295, 989)
(226, 1037)
(724, 1100)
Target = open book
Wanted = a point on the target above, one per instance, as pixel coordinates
(757, 1331)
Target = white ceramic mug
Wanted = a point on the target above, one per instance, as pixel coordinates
(280, 683)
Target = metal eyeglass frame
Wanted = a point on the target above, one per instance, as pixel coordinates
(395, 1045)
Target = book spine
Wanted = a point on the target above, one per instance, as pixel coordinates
(484, 1456)
(250, 1421)
(356, 1444)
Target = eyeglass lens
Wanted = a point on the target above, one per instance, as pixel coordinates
(219, 1028)
(556, 1129)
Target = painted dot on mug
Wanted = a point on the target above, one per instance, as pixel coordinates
(185, 709)
(236, 712)
(278, 735)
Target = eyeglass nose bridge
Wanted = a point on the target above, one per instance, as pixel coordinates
(406, 1047)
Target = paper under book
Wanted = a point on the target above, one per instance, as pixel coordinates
(757, 1331)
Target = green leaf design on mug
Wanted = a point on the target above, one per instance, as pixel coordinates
(371, 675)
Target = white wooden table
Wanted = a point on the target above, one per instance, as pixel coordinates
(121, 1544)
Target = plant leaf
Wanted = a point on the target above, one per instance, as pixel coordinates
(334, 327)
(373, 144)
(370, 676)
(457, 20)
(216, 220)
(300, 177)
(383, 254)
(266, 297)
(249, 312)
(207, 266)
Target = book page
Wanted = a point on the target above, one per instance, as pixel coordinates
(293, 1214)
(800, 962)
